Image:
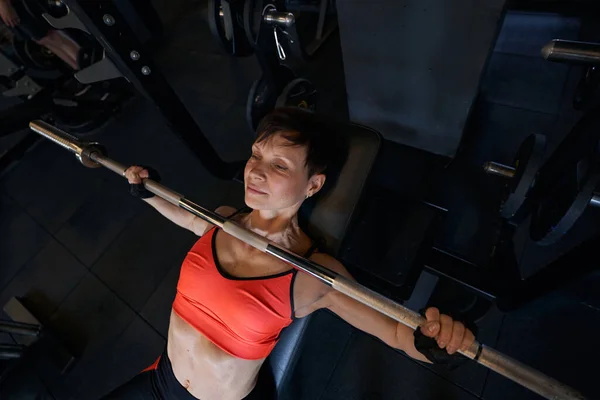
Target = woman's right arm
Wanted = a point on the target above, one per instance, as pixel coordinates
(177, 215)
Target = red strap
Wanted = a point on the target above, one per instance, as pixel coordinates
(154, 366)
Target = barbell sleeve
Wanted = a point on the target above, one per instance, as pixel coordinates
(57, 136)
(572, 52)
(486, 356)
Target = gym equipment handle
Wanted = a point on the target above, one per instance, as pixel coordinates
(496, 361)
(498, 169)
(285, 19)
(19, 328)
(572, 52)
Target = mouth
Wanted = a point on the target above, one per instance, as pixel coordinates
(255, 190)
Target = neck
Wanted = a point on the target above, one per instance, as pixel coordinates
(274, 224)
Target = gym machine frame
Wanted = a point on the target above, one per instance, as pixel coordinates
(93, 155)
(102, 19)
(506, 287)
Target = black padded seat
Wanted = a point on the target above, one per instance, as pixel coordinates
(328, 220)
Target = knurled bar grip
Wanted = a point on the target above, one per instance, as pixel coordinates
(59, 137)
(496, 361)
(381, 303)
(150, 185)
(526, 376)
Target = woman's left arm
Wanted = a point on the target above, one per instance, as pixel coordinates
(450, 335)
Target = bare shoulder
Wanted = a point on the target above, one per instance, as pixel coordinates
(225, 211)
(309, 292)
(201, 226)
(329, 262)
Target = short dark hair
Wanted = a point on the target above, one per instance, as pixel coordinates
(301, 128)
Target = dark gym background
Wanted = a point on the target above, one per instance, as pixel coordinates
(103, 266)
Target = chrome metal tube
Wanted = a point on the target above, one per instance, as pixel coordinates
(572, 52)
(279, 18)
(595, 200)
(205, 214)
(494, 168)
(379, 302)
(11, 351)
(18, 328)
(163, 192)
(323, 274)
(59, 137)
(528, 377)
(108, 163)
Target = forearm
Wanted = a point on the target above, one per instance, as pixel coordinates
(405, 342)
(391, 332)
(177, 215)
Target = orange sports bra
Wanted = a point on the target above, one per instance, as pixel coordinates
(242, 316)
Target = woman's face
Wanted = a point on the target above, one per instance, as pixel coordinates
(276, 175)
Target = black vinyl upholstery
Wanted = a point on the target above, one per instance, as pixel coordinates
(328, 221)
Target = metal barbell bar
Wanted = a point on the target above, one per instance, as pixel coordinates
(572, 52)
(93, 155)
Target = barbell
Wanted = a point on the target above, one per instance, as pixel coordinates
(521, 176)
(94, 155)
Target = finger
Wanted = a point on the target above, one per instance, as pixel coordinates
(133, 176)
(458, 333)
(144, 174)
(432, 314)
(468, 340)
(432, 327)
(446, 331)
(133, 170)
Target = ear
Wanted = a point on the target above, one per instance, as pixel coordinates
(315, 183)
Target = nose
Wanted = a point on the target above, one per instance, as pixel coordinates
(257, 172)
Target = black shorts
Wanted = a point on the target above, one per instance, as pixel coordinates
(32, 25)
(160, 384)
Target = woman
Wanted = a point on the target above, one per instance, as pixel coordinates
(233, 301)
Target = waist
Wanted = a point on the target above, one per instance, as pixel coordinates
(206, 370)
(245, 333)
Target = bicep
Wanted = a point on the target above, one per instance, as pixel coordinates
(200, 226)
(363, 317)
(353, 312)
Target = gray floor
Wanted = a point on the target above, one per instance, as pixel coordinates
(100, 267)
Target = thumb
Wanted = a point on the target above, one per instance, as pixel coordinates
(430, 329)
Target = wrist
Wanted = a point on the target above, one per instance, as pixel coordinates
(429, 349)
(139, 190)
